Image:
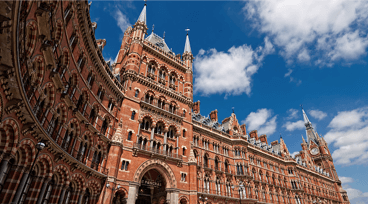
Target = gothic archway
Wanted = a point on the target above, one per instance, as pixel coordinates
(152, 189)
(155, 175)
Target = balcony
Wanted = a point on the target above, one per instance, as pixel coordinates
(169, 114)
(233, 195)
(154, 152)
(207, 167)
(218, 169)
(228, 172)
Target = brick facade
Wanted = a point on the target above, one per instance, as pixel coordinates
(129, 131)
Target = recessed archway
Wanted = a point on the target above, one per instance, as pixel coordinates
(152, 189)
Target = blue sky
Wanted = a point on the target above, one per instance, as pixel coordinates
(265, 58)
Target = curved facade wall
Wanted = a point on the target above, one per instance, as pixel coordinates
(128, 132)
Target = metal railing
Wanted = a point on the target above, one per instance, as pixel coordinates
(233, 194)
(148, 148)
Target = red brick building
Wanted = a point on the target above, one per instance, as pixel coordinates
(77, 129)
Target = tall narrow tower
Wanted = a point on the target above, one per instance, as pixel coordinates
(188, 60)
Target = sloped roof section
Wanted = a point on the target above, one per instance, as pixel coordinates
(159, 42)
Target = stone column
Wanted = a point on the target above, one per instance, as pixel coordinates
(165, 136)
(152, 135)
(177, 145)
(132, 194)
(172, 195)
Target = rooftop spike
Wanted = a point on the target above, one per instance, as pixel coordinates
(306, 120)
(187, 43)
(142, 16)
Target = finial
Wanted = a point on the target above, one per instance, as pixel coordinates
(164, 35)
(280, 136)
(233, 110)
(153, 28)
(301, 105)
(187, 30)
(145, 2)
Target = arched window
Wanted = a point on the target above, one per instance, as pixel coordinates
(67, 138)
(184, 151)
(26, 187)
(205, 160)
(226, 166)
(47, 194)
(184, 135)
(86, 197)
(4, 174)
(111, 105)
(68, 194)
(104, 126)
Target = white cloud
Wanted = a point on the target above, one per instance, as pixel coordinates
(332, 29)
(317, 114)
(291, 126)
(293, 113)
(122, 20)
(293, 154)
(304, 56)
(348, 134)
(228, 72)
(262, 121)
(356, 194)
(345, 180)
(349, 118)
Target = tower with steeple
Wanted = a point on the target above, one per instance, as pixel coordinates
(157, 105)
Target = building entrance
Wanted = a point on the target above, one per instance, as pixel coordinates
(152, 189)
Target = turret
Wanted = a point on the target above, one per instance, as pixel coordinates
(136, 47)
(140, 27)
(188, 61)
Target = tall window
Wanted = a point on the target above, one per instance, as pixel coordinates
(111, 105)
(136, 93)
(27, 186)
(184, 133)
(130, 135)
(124, 165)
(48, 191)
(5, 173)
(133, 115)
(68, 194)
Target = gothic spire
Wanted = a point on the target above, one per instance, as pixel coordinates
(187, 43)
(306, 120)
(311, 134)
(142, 16)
